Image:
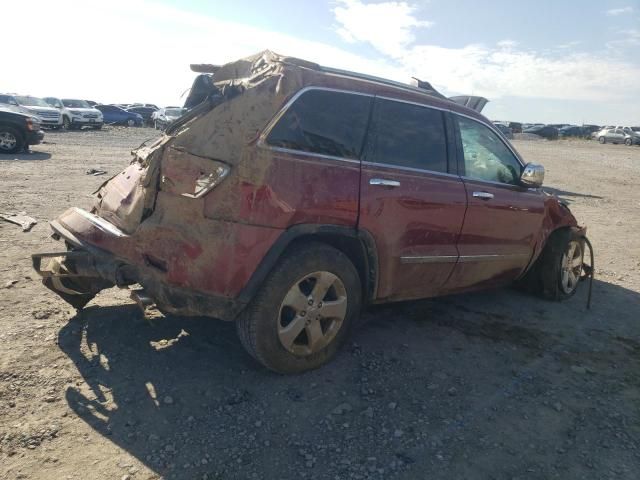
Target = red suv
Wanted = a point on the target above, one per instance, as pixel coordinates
(291, 195)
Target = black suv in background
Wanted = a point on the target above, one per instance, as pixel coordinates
(18, 131)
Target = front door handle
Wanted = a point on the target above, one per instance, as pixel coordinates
(483, 195)
(384, 182)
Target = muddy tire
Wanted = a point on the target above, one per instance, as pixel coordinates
(10, 140)
(304, 310)
(556, 274)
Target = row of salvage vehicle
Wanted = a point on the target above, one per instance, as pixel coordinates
(74, 114)
(606, 134)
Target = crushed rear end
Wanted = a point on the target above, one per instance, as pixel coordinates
(157, 223)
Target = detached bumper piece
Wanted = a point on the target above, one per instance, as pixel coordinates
(71, 275)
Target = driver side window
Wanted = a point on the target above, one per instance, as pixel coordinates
(486, 157)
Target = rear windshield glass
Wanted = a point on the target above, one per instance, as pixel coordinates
(324, 122)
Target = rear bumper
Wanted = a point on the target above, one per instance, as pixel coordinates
(78, 274)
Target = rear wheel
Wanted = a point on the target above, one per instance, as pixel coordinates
(131, 122)
(10, 140)
(304, 310)
(602, 140)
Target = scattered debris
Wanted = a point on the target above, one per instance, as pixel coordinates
(95, 172)
(10, 284)
(20, 218)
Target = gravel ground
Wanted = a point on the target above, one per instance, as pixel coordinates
(496, 385)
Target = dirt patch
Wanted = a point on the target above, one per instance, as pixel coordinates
(490, 385)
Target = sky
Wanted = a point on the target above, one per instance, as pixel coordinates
(548, 61)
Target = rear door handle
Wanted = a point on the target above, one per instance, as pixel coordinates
(483, 195)
(384, 182)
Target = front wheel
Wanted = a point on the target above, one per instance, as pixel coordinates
(602, 140)
(304, 310)
(131, 123)
(10, 140)
(557, 272)
(628, 142)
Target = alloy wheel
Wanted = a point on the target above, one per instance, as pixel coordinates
(312, 313)
(8, 141)
(571, 267)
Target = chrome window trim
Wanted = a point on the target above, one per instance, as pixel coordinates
(309, 154)
(407, 259)
(417, 104)
(410, 169)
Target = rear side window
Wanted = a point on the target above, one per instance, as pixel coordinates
(409, 135)
(324, 122)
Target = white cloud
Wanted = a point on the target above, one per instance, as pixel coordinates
(614, 12)
(146, 58)
(503, 70)
(626, 39)
(388, 26)
(139, 51)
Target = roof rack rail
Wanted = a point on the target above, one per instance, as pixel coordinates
(419, 87)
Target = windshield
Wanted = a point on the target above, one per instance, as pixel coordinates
(75, 103)
(32, 102)
(174, 112)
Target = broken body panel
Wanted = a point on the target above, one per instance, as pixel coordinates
(200, 250)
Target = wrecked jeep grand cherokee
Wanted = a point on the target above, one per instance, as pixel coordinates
(291, 195)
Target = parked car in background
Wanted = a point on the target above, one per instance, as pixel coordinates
(50, 117)
(119, 116)
(76, 113)
(618, 135)
(292, 233)
(18, 131)
(165, 116)
(571, 131)
(516, 127)
(544, 131)
(506, 131)
(635, 135)
(145, 112)
(149, 105)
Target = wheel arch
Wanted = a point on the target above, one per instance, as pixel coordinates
(357, 245)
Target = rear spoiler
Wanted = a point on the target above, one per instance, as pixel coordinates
(474, 103)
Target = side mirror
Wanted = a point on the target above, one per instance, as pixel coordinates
(532, 175)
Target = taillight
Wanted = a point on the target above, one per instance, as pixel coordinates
(207, 181)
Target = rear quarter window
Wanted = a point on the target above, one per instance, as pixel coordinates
(324, 122)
